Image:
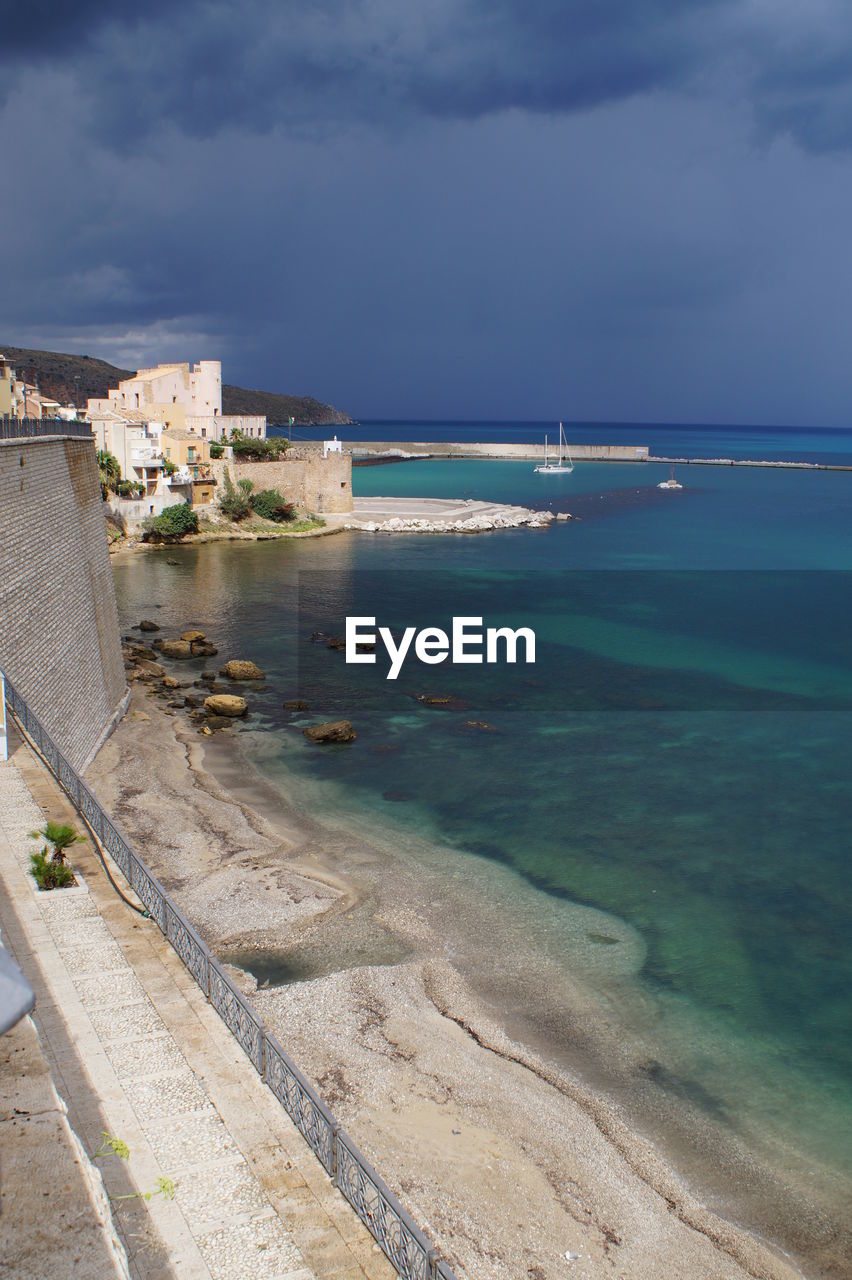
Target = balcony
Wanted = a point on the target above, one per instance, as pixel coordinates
(192, 471)
(147, 456)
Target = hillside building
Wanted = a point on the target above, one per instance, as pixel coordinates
(180, 396)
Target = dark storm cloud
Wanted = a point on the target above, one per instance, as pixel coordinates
(40, 29)
(204, 65)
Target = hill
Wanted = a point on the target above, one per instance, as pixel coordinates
(72, 379)
(279, 407)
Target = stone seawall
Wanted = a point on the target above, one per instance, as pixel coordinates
(59, 638)
(304, 477)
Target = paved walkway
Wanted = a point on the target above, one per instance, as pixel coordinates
(135, 1050)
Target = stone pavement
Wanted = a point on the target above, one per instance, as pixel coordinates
(135, 1050)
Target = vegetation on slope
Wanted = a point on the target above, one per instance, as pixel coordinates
(72, 379)
(57, 374)
(279, 408)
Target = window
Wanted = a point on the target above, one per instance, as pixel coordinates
(203, 433)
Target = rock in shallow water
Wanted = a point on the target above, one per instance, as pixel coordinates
(331, 731)
(226, 704)
(175, 649)
(242, 669)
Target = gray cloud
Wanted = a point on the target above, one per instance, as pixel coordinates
(445, 213)
(255, 65)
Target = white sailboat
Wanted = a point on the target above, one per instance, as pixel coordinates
(560, 465)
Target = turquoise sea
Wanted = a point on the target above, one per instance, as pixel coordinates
(678, 758)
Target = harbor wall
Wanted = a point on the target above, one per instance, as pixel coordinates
(303, 476)
(59, 637)
(442, 449)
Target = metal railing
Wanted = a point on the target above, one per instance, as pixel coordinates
(32, 428)
(399, 1237)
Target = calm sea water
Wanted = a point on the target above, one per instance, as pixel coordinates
(678, 757)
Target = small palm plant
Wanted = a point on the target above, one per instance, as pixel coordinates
(53, 872)
(49, 874)
(60, 835)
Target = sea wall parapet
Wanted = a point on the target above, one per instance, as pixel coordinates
(59, 637)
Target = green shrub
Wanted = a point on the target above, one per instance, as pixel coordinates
(269, 505)
(130, 488)
(234, 502)
(48, 873)
(216, 449)
(169, 467)
(174, 523)
(251, 450)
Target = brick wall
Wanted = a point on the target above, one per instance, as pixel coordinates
(59, 639)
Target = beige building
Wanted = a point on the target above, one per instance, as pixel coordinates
(7, 389)
(185, 448)
(182, 396)
(189, 452)
(135, 444)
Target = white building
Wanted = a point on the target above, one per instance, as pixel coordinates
(181, 396)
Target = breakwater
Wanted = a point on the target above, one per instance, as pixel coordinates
(395, 451)
(751, 462)
(484, 449)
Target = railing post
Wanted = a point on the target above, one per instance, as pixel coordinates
(335, 1130)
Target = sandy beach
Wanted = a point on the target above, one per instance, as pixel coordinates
(509, 1161)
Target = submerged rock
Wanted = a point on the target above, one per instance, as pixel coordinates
(446, 701)
(217, 723)
(226, 704)
(296, 704)
(147, 625)
(142, 651)
(331, 731)
(242, 669)
(203, 649)
(150, 670)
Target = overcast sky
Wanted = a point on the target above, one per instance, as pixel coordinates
(634, 210)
